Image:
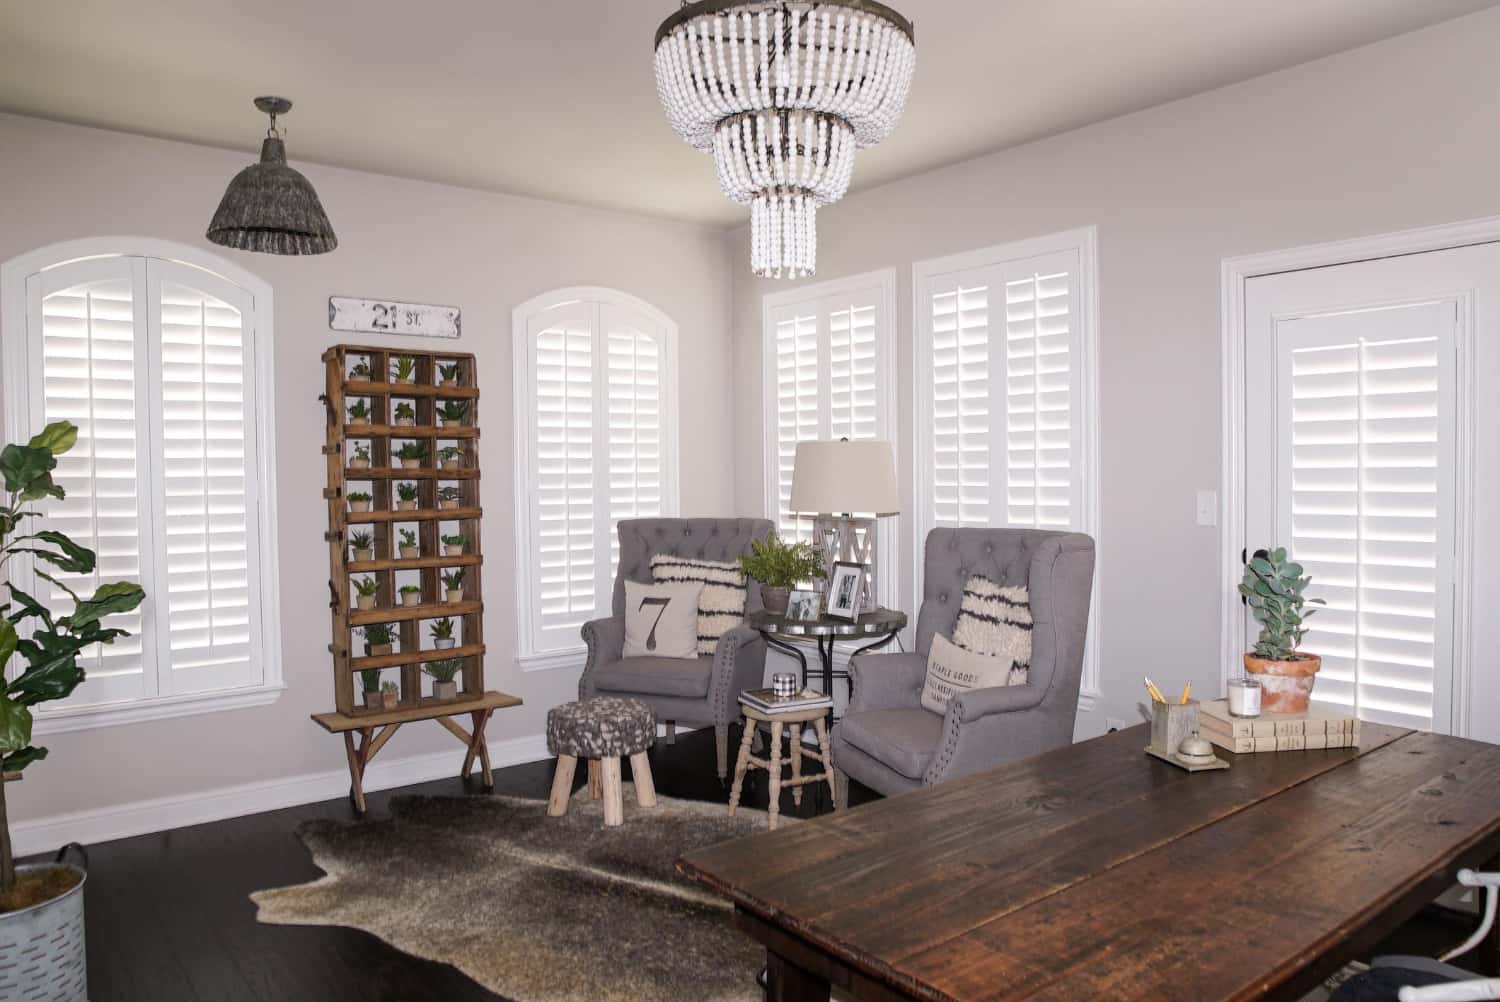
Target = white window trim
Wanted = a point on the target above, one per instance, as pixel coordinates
(1085, 241)
(13, 351)
(526, 658)
(1235, 272)
(888, 529)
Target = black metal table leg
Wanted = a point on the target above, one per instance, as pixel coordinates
(794, 651)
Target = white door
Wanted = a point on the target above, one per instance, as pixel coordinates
(1372, 452)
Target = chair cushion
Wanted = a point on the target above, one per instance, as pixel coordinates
(683, 677)
(904, 739)
(603, 727)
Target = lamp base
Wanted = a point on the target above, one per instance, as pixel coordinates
(851, 540)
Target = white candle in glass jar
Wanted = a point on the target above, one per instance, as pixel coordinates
(1244, 697)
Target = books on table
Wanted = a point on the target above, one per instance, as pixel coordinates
(767, 701)
(1317, 728)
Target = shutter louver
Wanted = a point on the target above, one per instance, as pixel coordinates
(961, 413)
(1038, 402)
(797, 408)
(636, 467)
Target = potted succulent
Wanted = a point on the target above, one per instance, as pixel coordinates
(360, 370)
(411, 594)
(411, 454)
(780, 567)
(408, 548)
(378, 639)
(453, 584)
(453, 546)
(390, 695)
(448, 497)
(451, 412)
(361, 458)
(360, 500)
(443, 673)
(369, 683)
(406, 497)
(41, 904)
(450, 456)
(364, 589)
(447, 374)
(442, 633)
(359, 412)
(406, 414)
(404, 369)
(362, 545)
(1273, 587)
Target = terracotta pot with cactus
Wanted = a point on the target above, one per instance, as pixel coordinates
(1273, 587)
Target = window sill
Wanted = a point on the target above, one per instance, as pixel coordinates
(572, 657)
(87, 718)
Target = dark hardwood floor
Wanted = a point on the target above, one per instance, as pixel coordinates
(169, 915)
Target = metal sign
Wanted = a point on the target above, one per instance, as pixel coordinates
(385, 316)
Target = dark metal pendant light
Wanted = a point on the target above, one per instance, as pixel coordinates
(269, 207)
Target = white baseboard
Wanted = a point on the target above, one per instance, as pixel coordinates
(145, 816)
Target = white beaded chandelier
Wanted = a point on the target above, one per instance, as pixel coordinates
(782, 92)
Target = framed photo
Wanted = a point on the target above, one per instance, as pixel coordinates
(804, 606)
(844, 589)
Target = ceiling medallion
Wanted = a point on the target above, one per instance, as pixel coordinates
(782, 94)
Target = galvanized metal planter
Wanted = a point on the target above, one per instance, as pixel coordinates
(42, 955)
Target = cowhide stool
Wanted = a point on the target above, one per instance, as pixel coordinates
(603, 730)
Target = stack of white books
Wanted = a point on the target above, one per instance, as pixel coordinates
(766, 701)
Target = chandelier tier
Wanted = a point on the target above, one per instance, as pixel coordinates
(782, 94)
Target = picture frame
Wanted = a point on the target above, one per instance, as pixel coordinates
(804, 606)
(845, 588)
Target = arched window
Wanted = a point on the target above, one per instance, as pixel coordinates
(596, 441)
(160, 354)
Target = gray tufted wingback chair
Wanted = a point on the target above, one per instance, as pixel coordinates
(891, 744)
(699, 691)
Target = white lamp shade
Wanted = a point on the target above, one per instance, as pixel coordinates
(834, 478)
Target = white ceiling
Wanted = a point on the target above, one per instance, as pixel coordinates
(557, 99)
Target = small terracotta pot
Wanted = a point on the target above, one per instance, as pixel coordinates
(451, 464)
(365, 602)
(360, 505)
(1286, 686)
(409, 552)
(454, 595)
(447, 505)
(775, 599)
(411, 464)
(375, 700)
(411, 598)
(359, 464)
(452, 551)
(364, 554)
(445, 690)
(406, 506)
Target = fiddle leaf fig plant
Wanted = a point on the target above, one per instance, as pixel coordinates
(1273, 587)
(49, 644)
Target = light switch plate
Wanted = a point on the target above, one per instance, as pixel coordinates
(1208, 507)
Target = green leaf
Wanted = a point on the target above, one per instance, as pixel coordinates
(109, 599)
(55, 677)
(74, 559)
(16, 761)
(15, 726)
(29, 607)
(57, 438)
(22, 466)
(7, 648)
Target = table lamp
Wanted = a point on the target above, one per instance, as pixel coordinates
(832, 481)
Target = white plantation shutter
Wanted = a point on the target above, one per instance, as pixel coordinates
(1038, 397)
(798, 411)
(1365, 458)
(961, 415)
(593, 409)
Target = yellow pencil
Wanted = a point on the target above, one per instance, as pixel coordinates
(1156, 695)
(1186, 691)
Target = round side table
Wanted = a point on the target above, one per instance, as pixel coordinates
(881, 626)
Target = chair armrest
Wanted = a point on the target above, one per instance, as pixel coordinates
(739, 664)
(967, 707)
(886, 681)
(606, 642)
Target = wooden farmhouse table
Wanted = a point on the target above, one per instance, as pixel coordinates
(1096, 873)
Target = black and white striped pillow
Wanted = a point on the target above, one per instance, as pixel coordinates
(996, 620)
(721, 605)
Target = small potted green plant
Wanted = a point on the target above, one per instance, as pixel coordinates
(442, 633)
(406, 414)
(411, 454)
(364, 592)
(360, 370)
(450, 456)
(360, 500)
(410, 595)
(361, 458)
(447, 374)
(453, 546)
(408, 548)
(406, 497)
(369, 684)
(1273, 587)
(780, 567)
(378, 639)
(390, 694)
(451, 412)
(443, 674)
(448, 497)
(453, 583)
(362, 545)
(359, 412)
(404, 369)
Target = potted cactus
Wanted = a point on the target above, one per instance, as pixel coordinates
(453, 583)
(448, 497)
(404, 369)
(359, 412)
(450, 456)
(780, 567)
(364, 589)
(1274, 587)
(406, 497)
(443, 674)
(408, 548)
(360, 500)
(369, 684)
(411, 454)
(448, 374)
(453, 546)
(362, 545)
(378, 639)
(361, 458)
(442, 633)
(411, 595)
(405, 414)
(451, 413)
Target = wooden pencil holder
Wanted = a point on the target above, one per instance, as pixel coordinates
(1170, 724)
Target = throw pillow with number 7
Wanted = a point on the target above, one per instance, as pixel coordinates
(661, 620)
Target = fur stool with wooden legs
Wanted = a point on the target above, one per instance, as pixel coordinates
(603, 730)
